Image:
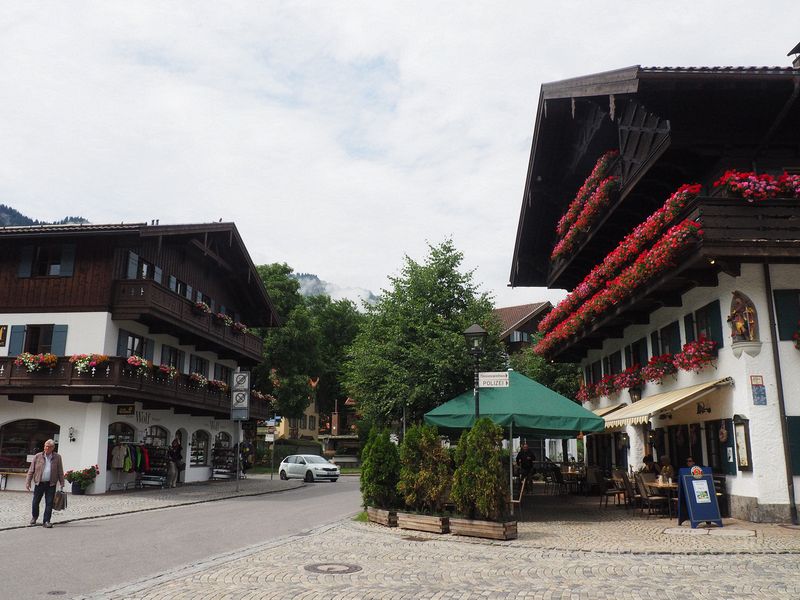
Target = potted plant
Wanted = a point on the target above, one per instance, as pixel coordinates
(82, 478)
(141, 365)
(34, 363)
(201, 308)
(84, 362)
(238, 327)
(424, 480)
(479, 491)
(222, 319)
(199, 380)
(167, 371)
(217, 385)
(380, 472)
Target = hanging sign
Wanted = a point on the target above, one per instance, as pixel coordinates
(697, 498)
(240, 396)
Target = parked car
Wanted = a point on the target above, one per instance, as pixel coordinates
(308, 467)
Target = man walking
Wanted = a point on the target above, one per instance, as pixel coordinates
(46, 471)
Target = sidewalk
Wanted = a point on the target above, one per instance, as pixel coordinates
(15, 507)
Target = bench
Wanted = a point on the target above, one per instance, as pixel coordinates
(5, 474)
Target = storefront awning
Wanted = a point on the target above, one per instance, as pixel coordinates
(602, 412)
(640, 412)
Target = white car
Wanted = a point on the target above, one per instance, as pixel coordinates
(308, 467)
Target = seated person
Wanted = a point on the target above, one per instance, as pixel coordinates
(525, 460)
(689, 462)
(649, 465)
(666, 469)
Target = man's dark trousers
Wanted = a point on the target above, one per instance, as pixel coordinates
(49, 492)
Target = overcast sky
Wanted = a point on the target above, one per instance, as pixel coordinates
(338, 136)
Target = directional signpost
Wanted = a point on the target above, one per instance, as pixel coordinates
(496, 379)
(240, 410)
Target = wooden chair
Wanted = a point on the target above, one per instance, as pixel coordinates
(614, 488)
(632, 498)
(651, 500)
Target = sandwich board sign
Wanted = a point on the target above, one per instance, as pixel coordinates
(697, 498)
(240, 396)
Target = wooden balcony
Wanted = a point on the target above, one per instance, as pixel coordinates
(117, 382)
(734, 232)
(164, 311)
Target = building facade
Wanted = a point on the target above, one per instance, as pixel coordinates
(666, 200)
(125, 335)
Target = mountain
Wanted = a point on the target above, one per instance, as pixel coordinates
(10, 217)
(311, 285)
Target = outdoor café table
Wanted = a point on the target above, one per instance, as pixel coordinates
(670, 488)
(574, 479)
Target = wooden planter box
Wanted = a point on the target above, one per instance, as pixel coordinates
(427, 523)
(382, 517)
(506, 530)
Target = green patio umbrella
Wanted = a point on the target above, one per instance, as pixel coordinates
(524, 407)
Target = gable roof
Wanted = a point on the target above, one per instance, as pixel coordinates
(513, 317)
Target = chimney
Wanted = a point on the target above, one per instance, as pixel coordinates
(796, 52)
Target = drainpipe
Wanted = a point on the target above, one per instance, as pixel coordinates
(773, 333)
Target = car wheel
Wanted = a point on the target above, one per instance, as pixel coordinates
(283, 475)
(309, 477)
(333, 480)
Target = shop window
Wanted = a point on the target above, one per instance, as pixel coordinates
(129, 344)
(37, 339)
(121, 432)
(787, 312)
(708, 323)
(50, 260)
(199, 454)
(222, 440)
(173, 357)
(155, 435)
(198, 364)
(19, 439)
(670, 337)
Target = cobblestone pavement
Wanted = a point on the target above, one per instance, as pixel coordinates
(15, 507)
(568, 547)
(349, 561)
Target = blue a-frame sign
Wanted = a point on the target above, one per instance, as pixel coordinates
(697, 498)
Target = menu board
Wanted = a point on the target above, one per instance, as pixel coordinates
(697, 498)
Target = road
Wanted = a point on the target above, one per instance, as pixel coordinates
(85, 556)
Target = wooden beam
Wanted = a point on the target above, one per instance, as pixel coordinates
(209, 252)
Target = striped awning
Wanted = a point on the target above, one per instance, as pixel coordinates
(641, 411)
(602, 412)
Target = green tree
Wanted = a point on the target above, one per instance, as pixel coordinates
(564, 378)
(424, 469)
(410, 351)
(380, 470)
(479, 483)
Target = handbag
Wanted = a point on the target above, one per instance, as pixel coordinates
(60, 500)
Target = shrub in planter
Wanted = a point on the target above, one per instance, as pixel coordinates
(479, 486)
(424, 469)
(380, 471)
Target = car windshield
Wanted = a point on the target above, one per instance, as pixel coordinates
(315, 459)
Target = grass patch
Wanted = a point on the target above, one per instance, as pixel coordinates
(361, 517)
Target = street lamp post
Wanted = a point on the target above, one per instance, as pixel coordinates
(475, 336)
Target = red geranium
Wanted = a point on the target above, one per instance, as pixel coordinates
(658, 367)
(748, 185)
(694, 356)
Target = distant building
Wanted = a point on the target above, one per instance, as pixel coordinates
(520, 323)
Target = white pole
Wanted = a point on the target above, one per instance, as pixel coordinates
(511, 465)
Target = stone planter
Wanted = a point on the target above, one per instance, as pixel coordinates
(493, 530)
(381, 516)
(77, 489)
(427, 523)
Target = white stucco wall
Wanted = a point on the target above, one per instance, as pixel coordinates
(767, 481)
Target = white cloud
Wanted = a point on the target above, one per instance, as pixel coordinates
(339, 136)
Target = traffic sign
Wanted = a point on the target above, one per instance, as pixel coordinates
(493, 379)
(240, 396)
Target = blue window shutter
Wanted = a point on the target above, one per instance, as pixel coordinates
(16, 340)
(25, 261)
(67, 260)
(149, 349)
(787, 312)
(133, 265)
(59, 345)
(158, 274)
(715, 323)
(688, 326)
(173, 283)
(122, 343)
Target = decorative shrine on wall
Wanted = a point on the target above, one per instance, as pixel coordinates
(743, 319)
